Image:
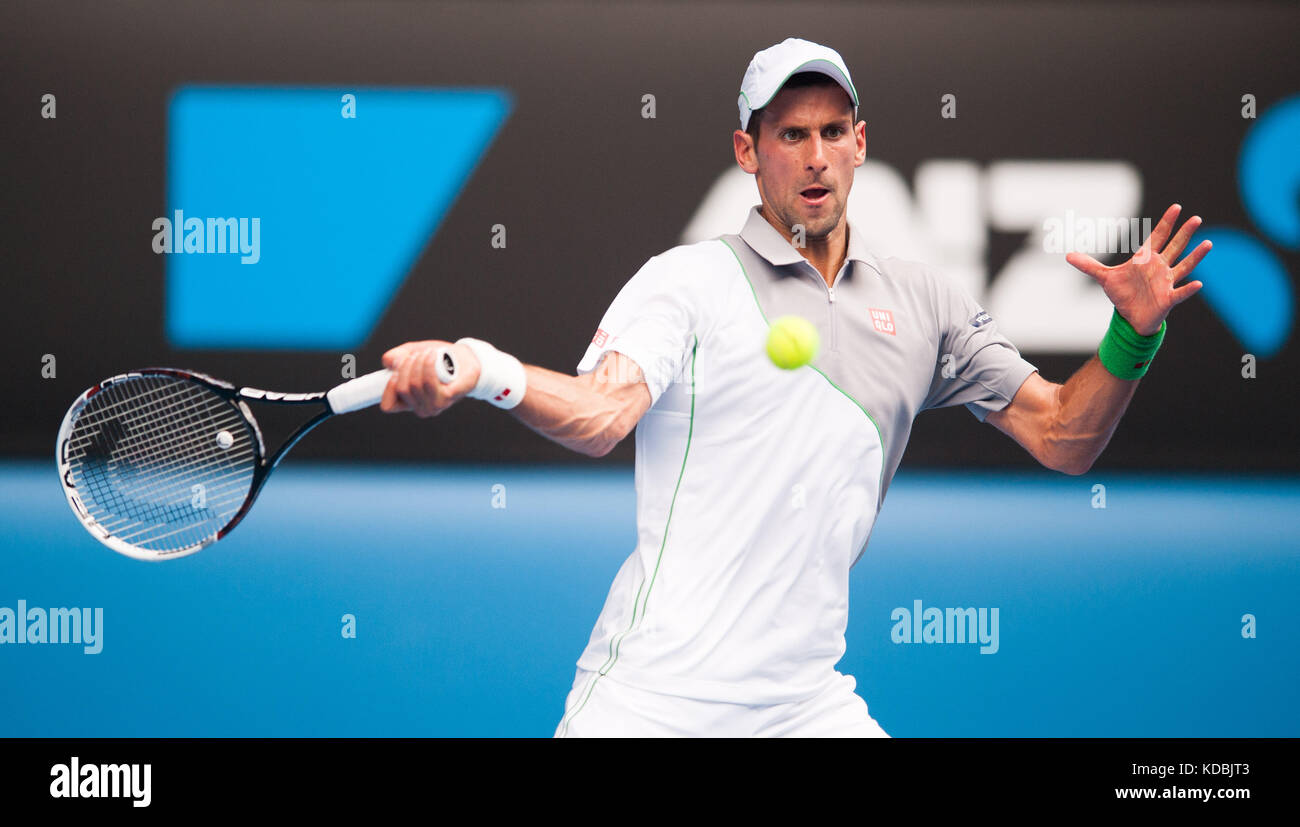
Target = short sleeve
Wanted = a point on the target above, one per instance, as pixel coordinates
(653, 321)
(978, 367)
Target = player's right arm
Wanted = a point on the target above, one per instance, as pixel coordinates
(590, 413)
(639, 350)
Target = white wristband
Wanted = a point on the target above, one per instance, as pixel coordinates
(501, 376)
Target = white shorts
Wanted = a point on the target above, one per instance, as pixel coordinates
(609, 709)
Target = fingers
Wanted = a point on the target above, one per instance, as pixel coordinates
(1175, 248)
(1185, 292)
(1185, 267)
(394, 356)
(1166, 226)
(394, 399)
(415, 385)
(401, 381)
(390, 402)
(425, 387)
(1087, 264)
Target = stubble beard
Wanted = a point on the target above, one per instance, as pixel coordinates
(819, 231)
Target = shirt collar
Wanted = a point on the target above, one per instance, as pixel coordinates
(771, 245)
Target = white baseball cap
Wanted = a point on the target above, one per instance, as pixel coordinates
(772, 67)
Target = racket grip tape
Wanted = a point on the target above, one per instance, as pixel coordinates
(366, 391)
(362, 392)
(446, 368)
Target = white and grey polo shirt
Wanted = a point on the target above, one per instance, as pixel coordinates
(757, 488)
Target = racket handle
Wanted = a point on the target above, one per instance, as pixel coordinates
(366, 391)
(446, 368)
(362, 392)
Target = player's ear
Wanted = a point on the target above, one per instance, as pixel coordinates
(860, 135)
(746, 153)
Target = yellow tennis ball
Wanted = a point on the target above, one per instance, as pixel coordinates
(792, 342)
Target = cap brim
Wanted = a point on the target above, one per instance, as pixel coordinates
(820, 65)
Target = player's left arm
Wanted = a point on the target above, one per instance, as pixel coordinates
(1066, 427)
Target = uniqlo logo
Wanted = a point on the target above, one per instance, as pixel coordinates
(882, 320)
(599, 339)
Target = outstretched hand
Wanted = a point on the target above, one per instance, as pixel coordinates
(1143, 289)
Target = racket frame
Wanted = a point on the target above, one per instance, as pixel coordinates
(262, 465)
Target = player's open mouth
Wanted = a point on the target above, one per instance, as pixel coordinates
(814, 195)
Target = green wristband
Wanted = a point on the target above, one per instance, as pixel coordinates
(1126, 353)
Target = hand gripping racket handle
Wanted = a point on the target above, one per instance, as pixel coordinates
(366, 391)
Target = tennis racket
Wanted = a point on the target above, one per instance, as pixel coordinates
(159, 463)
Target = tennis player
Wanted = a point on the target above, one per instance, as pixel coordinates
(757, 488)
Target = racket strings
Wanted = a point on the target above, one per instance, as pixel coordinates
(162, 445)
(178, 401)
(126, 464)
(149, 480)
(155, 450)
(161, 462)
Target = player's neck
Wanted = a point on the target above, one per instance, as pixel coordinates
(826, 254)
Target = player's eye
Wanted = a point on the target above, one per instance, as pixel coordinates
(833, 131)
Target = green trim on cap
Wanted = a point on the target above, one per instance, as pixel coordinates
(796, 71)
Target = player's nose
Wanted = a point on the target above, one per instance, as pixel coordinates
(816, 159)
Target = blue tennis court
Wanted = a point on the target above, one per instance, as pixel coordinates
(1118, 621)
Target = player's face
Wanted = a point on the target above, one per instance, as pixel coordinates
(807, 150)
